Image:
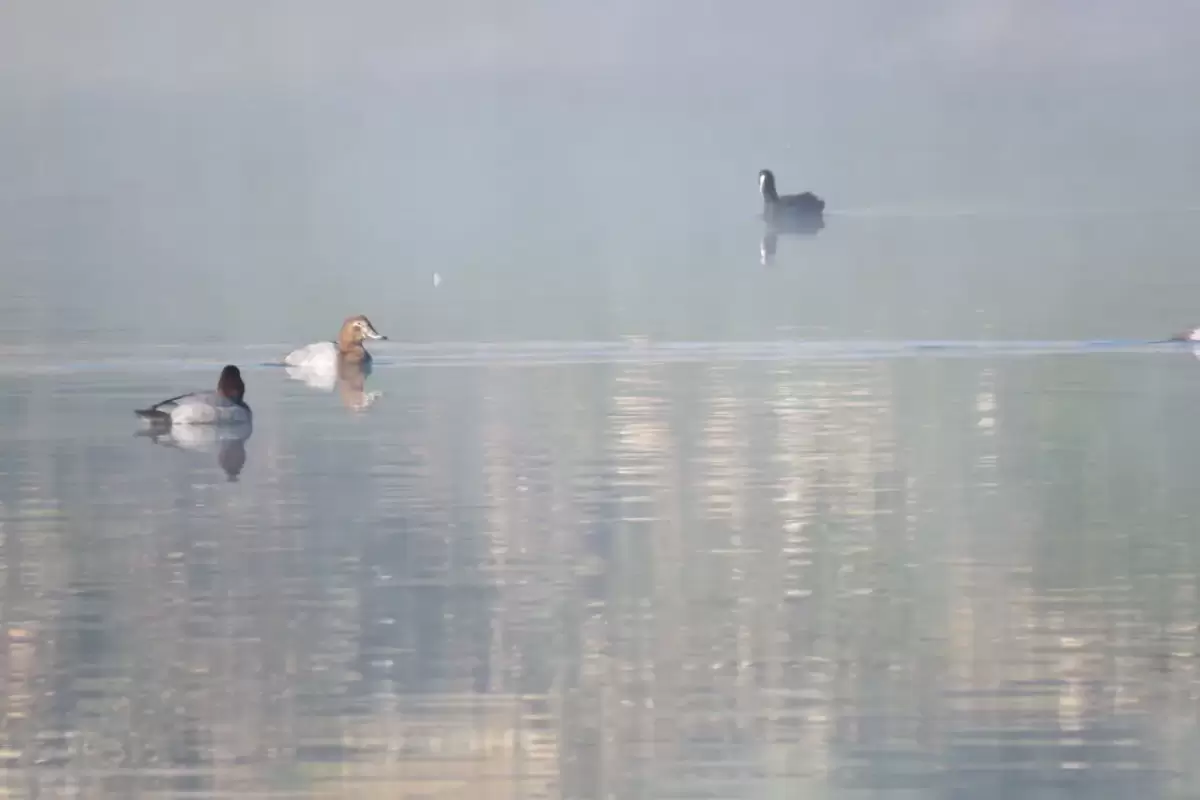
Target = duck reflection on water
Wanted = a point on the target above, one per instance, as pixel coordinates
(227, 441)
(349, 379)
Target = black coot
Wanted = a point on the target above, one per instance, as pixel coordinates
(776, 208)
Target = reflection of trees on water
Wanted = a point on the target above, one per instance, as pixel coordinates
(628, 580)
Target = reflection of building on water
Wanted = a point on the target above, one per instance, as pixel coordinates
(625, 580)
(441, 747)
(692, 656)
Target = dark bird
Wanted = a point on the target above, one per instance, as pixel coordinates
(789, 206)
(1192, 335)
(793, 214)
(225, 406)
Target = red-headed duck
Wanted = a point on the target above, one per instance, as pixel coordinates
(225, 406)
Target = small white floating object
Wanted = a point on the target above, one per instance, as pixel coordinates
(437, 280)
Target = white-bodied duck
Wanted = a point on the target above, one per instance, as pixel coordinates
(225, 406)
(327, 357)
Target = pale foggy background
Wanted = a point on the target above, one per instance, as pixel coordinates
(571, 169)
(668, 568)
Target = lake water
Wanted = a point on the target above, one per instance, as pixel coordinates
(622, 512)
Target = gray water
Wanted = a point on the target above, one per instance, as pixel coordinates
(622, 512)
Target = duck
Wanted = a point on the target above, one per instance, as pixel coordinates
(329, 357)
(1191, 335)
(225, 406)
(789, 205)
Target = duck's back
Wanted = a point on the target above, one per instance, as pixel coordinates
(198, 408)
(209, 408)
(316, 355)
(805, 201)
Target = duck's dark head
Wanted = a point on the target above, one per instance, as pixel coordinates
(766, 185)
(230, 384)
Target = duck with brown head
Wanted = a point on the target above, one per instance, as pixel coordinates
(329, 357)
(226, 406)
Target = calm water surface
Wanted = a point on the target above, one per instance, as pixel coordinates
(897, 576)
(546, 553)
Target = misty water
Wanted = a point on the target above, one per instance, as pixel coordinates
(622, 512)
